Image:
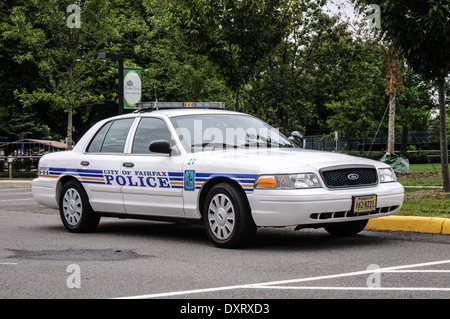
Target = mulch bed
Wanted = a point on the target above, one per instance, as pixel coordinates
(427, 194)
(423, 194)
(417, 175)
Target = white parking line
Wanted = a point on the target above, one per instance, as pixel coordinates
(352, 288)
(276, 284)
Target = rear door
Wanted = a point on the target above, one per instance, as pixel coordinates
(100, 164)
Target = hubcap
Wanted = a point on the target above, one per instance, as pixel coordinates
(221, 218)
(72, 207)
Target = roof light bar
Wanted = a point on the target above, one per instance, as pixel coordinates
(179, 105)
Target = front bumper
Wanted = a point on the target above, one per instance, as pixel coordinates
(320, 205)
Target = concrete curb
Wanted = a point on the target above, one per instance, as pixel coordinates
(432, 225)
(15, 184)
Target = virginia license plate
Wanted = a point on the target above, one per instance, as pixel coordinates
(364, 204)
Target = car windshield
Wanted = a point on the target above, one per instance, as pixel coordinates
(208, 132)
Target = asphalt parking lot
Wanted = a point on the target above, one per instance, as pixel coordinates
(39, 259)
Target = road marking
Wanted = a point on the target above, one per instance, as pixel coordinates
(8, 263)
(272, 284)
(351, 288)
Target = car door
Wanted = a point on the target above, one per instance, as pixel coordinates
(100, 164)
(152, 183)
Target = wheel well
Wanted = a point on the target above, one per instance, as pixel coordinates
(63, 180)
(211, 183)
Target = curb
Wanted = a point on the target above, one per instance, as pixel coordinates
(432, 225)
(15, 184)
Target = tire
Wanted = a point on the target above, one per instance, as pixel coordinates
(347, 228)
(75, 211)
(227, 217)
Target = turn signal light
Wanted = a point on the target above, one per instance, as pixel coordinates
(266, 181)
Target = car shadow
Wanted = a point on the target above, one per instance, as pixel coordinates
(310, 240)
(265, 239)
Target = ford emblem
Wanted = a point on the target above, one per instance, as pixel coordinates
(353, 176)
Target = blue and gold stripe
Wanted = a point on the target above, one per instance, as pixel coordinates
(176, 179)
(246, 181)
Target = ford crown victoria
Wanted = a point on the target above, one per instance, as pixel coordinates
(228, 170)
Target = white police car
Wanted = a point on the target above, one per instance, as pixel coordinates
(230, 170)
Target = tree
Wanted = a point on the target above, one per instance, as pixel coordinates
(420, 30)
(235, 35)
(172, 71)
(283, 92)
(16, 121)
(414, 104)
(63, 51)
(356, 86)
(394, 84)
(53, 68)
(65, 81)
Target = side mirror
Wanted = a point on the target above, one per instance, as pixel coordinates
(296, 137)
(160, 146)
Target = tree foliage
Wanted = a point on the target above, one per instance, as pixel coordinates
(420, 30)
(285, 61)
(235, 35)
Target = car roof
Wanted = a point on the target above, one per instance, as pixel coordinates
(178, 112)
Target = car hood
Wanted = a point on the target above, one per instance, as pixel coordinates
(279, 160)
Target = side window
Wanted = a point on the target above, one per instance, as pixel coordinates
(111, 137)
(97, 142)
(150, 129)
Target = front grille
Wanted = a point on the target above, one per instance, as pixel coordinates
(349, 176)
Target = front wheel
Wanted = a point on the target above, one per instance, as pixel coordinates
(347, 228)
(227, 217)
(75, 211)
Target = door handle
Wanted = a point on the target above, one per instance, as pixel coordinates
(128, 164)
(85, 163)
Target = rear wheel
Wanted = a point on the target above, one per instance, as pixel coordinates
(227, 217)
(75, 211)
(347, 228)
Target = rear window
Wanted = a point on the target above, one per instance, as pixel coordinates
(111, 137)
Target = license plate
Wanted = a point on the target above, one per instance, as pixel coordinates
(364, 204)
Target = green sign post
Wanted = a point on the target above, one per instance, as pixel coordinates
(132, 88)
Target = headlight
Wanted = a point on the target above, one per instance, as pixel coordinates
(387, 175)
(293, 181)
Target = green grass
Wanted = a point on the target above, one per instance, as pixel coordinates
(427, 201)
(424, 168)
(425, 181)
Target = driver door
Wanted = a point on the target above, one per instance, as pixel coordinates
(152, 182)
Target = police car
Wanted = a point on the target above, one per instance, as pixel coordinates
(197, 162)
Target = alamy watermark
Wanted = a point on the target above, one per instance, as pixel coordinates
(374, 18)
(74, 279)
(374, 280)
(74, 19)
